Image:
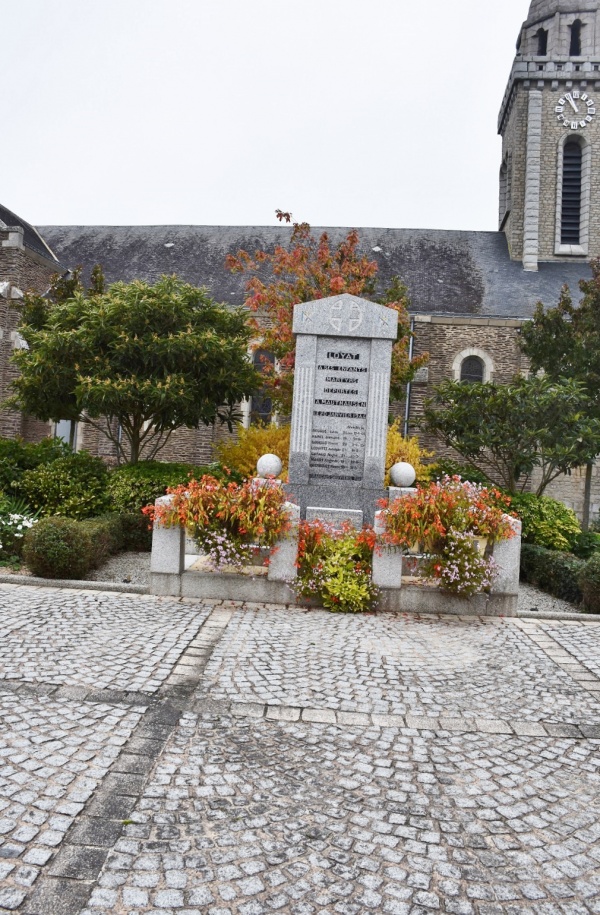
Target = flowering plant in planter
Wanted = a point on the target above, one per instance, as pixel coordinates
(334, 566)
(229, 521)
(427, 515)
(447, 518)
(460, 567)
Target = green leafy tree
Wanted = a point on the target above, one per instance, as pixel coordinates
(134, 361)
(506, 431)
(564, 342)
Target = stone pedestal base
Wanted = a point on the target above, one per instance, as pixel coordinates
(336, 496)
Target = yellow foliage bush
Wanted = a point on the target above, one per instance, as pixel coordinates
(251, 444)
(408, 450)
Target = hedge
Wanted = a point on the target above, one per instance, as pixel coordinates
(58, 547)
(554, 572)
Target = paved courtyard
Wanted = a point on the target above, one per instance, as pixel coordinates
(205, 758)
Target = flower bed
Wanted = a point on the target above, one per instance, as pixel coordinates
(231, 522)
(334, 566)
(456, 523)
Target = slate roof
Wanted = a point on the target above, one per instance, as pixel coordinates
(31, 236)
(447, 272)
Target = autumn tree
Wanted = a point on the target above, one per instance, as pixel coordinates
(564, 342)
(312, 268)
(133, 360)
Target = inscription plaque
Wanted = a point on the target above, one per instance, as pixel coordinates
(339, 420)
(341, 402)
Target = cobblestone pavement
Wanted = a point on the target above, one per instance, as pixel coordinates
(254, 818)
(172, 757)
(53, 754)
(104, 640)
(485, 668)
(580, 641)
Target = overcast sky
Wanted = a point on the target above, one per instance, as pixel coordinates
(350, 113)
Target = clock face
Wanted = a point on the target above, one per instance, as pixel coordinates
(575, 110)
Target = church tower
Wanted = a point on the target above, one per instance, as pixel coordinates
(550, 127)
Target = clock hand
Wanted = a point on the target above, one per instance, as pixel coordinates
(572, 103)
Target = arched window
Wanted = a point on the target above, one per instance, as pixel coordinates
(570, 224)
(472, 369)
(542, 42)
(575, 49)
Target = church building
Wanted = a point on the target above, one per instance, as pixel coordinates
(470, 291)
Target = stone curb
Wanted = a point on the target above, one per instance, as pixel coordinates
(296, 714)
(124, 588)
(299, 715)
(581, 617)
(30, 580)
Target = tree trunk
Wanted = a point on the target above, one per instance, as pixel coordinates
(134, 444)
(587, 497)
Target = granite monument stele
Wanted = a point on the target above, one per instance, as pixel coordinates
(340, 406)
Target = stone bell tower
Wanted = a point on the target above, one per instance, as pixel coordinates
(550, 127)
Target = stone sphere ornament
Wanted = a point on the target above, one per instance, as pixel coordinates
(403, 475)
(268, 465)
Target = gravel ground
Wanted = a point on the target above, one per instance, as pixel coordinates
(531, 598)
(131, 568)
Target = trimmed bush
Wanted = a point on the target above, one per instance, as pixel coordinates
(587, 544)
(106, 533)
(589, 581)
(72, 486)
(17, 456)
(546, 522)
(242, 453)
(58, 548)
(132, 487)
(136, 531)
(554, 572)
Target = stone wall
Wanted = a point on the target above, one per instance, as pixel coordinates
(570, 490)
(21, 270)
(445, 339)
(514, 153)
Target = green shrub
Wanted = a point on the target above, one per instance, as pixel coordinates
(58, 548)
(73, 486)
(137, 532)
(135, 485)
(546, 522)
(554, 572)
(17, 456)
(586, 544)
(589, 581)
(106, 533)
(334, 567)
(448, 467)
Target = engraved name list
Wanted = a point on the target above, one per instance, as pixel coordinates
(339, 419)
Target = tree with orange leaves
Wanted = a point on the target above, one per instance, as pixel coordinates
(311, 268)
